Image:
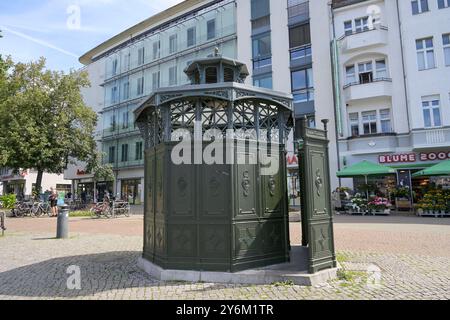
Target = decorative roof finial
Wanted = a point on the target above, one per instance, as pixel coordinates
(216, 51)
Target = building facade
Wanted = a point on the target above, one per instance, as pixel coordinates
(392, 69)
(280, 56)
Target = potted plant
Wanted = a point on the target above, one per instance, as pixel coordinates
(7, 203)
(358, 204)
(380, 205)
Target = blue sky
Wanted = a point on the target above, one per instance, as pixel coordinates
(51, 28)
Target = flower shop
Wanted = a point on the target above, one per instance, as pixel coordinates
(378, 191)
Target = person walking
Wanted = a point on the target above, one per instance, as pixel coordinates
(53, 199)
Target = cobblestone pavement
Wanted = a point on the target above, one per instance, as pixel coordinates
(34, 265)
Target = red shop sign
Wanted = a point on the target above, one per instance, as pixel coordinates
(432, 156)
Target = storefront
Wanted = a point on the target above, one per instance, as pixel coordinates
(131, 190)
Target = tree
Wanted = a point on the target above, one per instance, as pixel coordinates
(44, 122)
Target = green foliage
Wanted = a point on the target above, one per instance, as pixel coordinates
(43, 119)
(101, 172)
(8, 201)
(77, 214)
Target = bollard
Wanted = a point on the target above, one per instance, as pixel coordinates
(62, 231)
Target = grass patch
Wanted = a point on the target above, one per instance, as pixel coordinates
(342, 257)
(77, 214)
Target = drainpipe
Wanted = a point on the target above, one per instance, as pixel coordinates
(403, 65)
(336, 89)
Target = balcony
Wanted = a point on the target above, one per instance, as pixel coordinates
(430, 138)
(377, 36)
(379, 87)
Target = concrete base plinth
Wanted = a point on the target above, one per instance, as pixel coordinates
(295, 271)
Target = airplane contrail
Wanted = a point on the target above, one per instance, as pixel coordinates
(38, 41)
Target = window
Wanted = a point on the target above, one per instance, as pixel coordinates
(381, 69)
(126, 90)
(365, 72)
(260, 23)
(172, 76)
(140, 86)
(425, 54)
(262, 46)
(211, 75)
(112, 154)
(139, 151)
(350, 74)
(431, 113)
(173, 43)
(419, 6)
(114, 95)
(228, 75)
(299, 36)
(211, 29)
(354, 124)
(127, 60)
(303, 85)
(446, 45)
(348, 27)
(112, 122)
(260, 8)
(156, 50)
(124, 153)
(141, 56)
(443, 4)
(125, 119)
(385, 121)
(369, 120)
(362, 24)
(298, 8)
(263, 82)
(155, 80)
(114, 67)
(191, 37)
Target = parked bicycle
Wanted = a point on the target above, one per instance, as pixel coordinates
(121, 208)
(23, 209)
(41, 208)
(100, 210)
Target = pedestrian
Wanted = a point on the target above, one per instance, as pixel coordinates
(53, 199)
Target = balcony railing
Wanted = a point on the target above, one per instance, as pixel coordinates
(298, 8)
(304, 95)
(301, 52)
(261, 62)
(356, 83)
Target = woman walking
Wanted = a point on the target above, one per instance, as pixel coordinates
(53, 199)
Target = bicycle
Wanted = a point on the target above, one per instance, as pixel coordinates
(23, 209)
(101, 209)
(41, 208)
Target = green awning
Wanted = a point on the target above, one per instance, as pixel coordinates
(365, 168)
(441, 169)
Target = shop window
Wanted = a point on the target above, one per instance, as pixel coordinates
(369, 122)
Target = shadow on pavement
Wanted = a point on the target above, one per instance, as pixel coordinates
(99, 273)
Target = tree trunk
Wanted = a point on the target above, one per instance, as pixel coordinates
(38, 187)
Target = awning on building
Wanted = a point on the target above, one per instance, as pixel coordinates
(440, 169)
(365, 169)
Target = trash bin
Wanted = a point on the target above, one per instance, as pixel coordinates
(62, 231)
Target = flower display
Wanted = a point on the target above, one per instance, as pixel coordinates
(436, 201)
(379, 204)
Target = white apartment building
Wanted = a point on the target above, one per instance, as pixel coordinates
(392, 71)
(282, 45)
